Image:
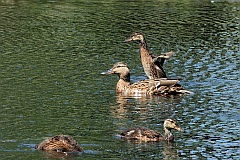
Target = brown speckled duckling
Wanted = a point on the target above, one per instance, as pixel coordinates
(146, 135)
(149, 86)
(152, 65)
(59, 143)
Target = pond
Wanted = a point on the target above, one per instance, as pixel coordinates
(52, 54)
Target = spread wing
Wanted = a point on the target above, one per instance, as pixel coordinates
(160, 59)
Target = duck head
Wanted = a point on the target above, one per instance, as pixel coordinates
(121, 69)
(137, 36)
(170, 124)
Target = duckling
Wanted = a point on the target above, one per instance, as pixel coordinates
(152, 65)
(149, 86)
(146, 135)
(59, 143)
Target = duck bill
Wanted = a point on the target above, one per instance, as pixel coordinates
(107, 72)
(178, 129)
(128, 40)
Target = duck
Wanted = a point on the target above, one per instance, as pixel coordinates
(59, 143)
(161, 86)
(152, 64)
(146, 135)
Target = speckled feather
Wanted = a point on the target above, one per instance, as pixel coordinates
(59, 143)
(152, 64)
(144, 134)
(161, 86)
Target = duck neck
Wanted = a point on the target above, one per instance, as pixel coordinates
(125, 77)
(144, 46)
(168, 135)
(124, 81)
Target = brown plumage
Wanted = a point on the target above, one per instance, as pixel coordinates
(59, 143)
(152, 65)
(143, 134)
(149, 86)
(161, 86)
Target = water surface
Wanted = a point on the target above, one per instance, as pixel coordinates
(52, 54)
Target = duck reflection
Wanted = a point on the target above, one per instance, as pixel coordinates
(166, 150)
(144, 106)
(170, 151)
(61, 155)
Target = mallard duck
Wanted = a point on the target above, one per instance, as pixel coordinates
(152, 65)
(59, 143)
(145, 135)
(149, 86)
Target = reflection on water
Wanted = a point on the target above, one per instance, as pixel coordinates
(52, 53)
(60, 155)
(170, 151)
(143, 106)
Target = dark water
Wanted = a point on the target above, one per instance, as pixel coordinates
(52, 54)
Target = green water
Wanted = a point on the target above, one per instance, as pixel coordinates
(52, 54)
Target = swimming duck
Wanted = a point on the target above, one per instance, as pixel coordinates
(152, 65)
(59, 143)
(149, 86)
(145, 135)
